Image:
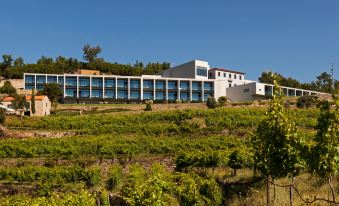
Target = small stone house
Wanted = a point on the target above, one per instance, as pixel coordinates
(42, 105)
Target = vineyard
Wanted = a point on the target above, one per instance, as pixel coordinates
(179, 157)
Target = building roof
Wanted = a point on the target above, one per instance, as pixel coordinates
(227, 70)
(28, 98)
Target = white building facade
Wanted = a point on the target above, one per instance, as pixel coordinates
(193, 81)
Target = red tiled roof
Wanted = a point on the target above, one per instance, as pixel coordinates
(227, 70)
(28, 98)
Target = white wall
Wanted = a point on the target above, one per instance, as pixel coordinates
(242, 93)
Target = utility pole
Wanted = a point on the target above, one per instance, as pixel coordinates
(332, 69)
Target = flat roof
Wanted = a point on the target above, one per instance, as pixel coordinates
(227, 70)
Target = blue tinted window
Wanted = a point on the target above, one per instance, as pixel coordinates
(122, 83)
(96, 82)
(109, 94)
(208, 86)
(184, 85)
(29, 79)
(84, 82)
(84, 93)
(71, 81)
(110, 83)
(52, 79)
(71, 93)
(160, 85)
(29, 86)
(148, 95)
(196, 96)
(202, 71)
(184, 96)
(41, 79)
(172, 85)
(196, 86)
(96, 93)
(61, 80)
(134, 84)
(172, 96)
(122, 95)
(148, 84)
(206, 96)
(160, 95)
(135, 95)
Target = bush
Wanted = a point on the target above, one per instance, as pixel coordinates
(237, 160)
(222, 100)
(211, 103)
(116, 176)
(2, 115)
(7, 88)
(149, 105)
(307, 101)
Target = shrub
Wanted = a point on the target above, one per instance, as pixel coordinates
(211, 103)
(237, 160)
(116, 176)
(222, 100)
(7, 88)
(307, 101)
(149, 105)
(2, 115)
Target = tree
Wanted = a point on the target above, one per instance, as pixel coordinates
(19, 62)
(276, 144)
(306, 101)
(33, 102)
(7, 88)
(91, 53)
(211, 103)
(53, 91)
(325, 153)
(237, 160)
(20, 103)
(324, 82)
(7, 60)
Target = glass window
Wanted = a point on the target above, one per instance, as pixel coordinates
(196, 96)
(224, 74)
(122, 83)
(41, 79)
(208, 86)
(60, 79)
(96, 93)
(135, 95)
(172, 96)
(206, 96)
(235, 76)
(83, 82)
(71, 93)
(109, 94)
(210, 74)
(148, 95)
(134, 84)
(52, 79)
(160, 85)
(240, 77)
(160, 95)
(184, 85)
(110, 83)
(84, 93)
(218, 74)
(148, 84)
(230, 75)
(202, 71)
(96, 82)
(229, 85)
(196, 86)
(184, 96)
(29, 86)
(122, 95)
(71, 81)
(29, 79)
(172, 85)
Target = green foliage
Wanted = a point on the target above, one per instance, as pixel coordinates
(307, 101)
(222, 101)
(83, 198)
(211, 103)
(20, 102)
(2, 115)
(149, 105)
(7, 88)
(53, 91)
(239, 159)
(276, 144)
(325, 153)
(33, 102)
(91, 53)
(115, 176)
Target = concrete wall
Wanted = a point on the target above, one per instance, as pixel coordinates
(42, 107)
(242, 93)
(187, 70)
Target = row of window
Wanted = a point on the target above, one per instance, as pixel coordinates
(136, 95)
(229, 75)
(121, 83)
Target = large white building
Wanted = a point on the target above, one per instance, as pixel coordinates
(193, 81)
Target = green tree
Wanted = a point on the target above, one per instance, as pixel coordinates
(91, 53)
(324, 82)
(222, 101)
(19, 62)
(7, 88)
(33, 102)
(325, 153)
(237, 160)
(211, 103)
(20, 103)
(53, 91)
(307, 101)
(276, 144)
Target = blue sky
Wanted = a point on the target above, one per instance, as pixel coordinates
(298, 38)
